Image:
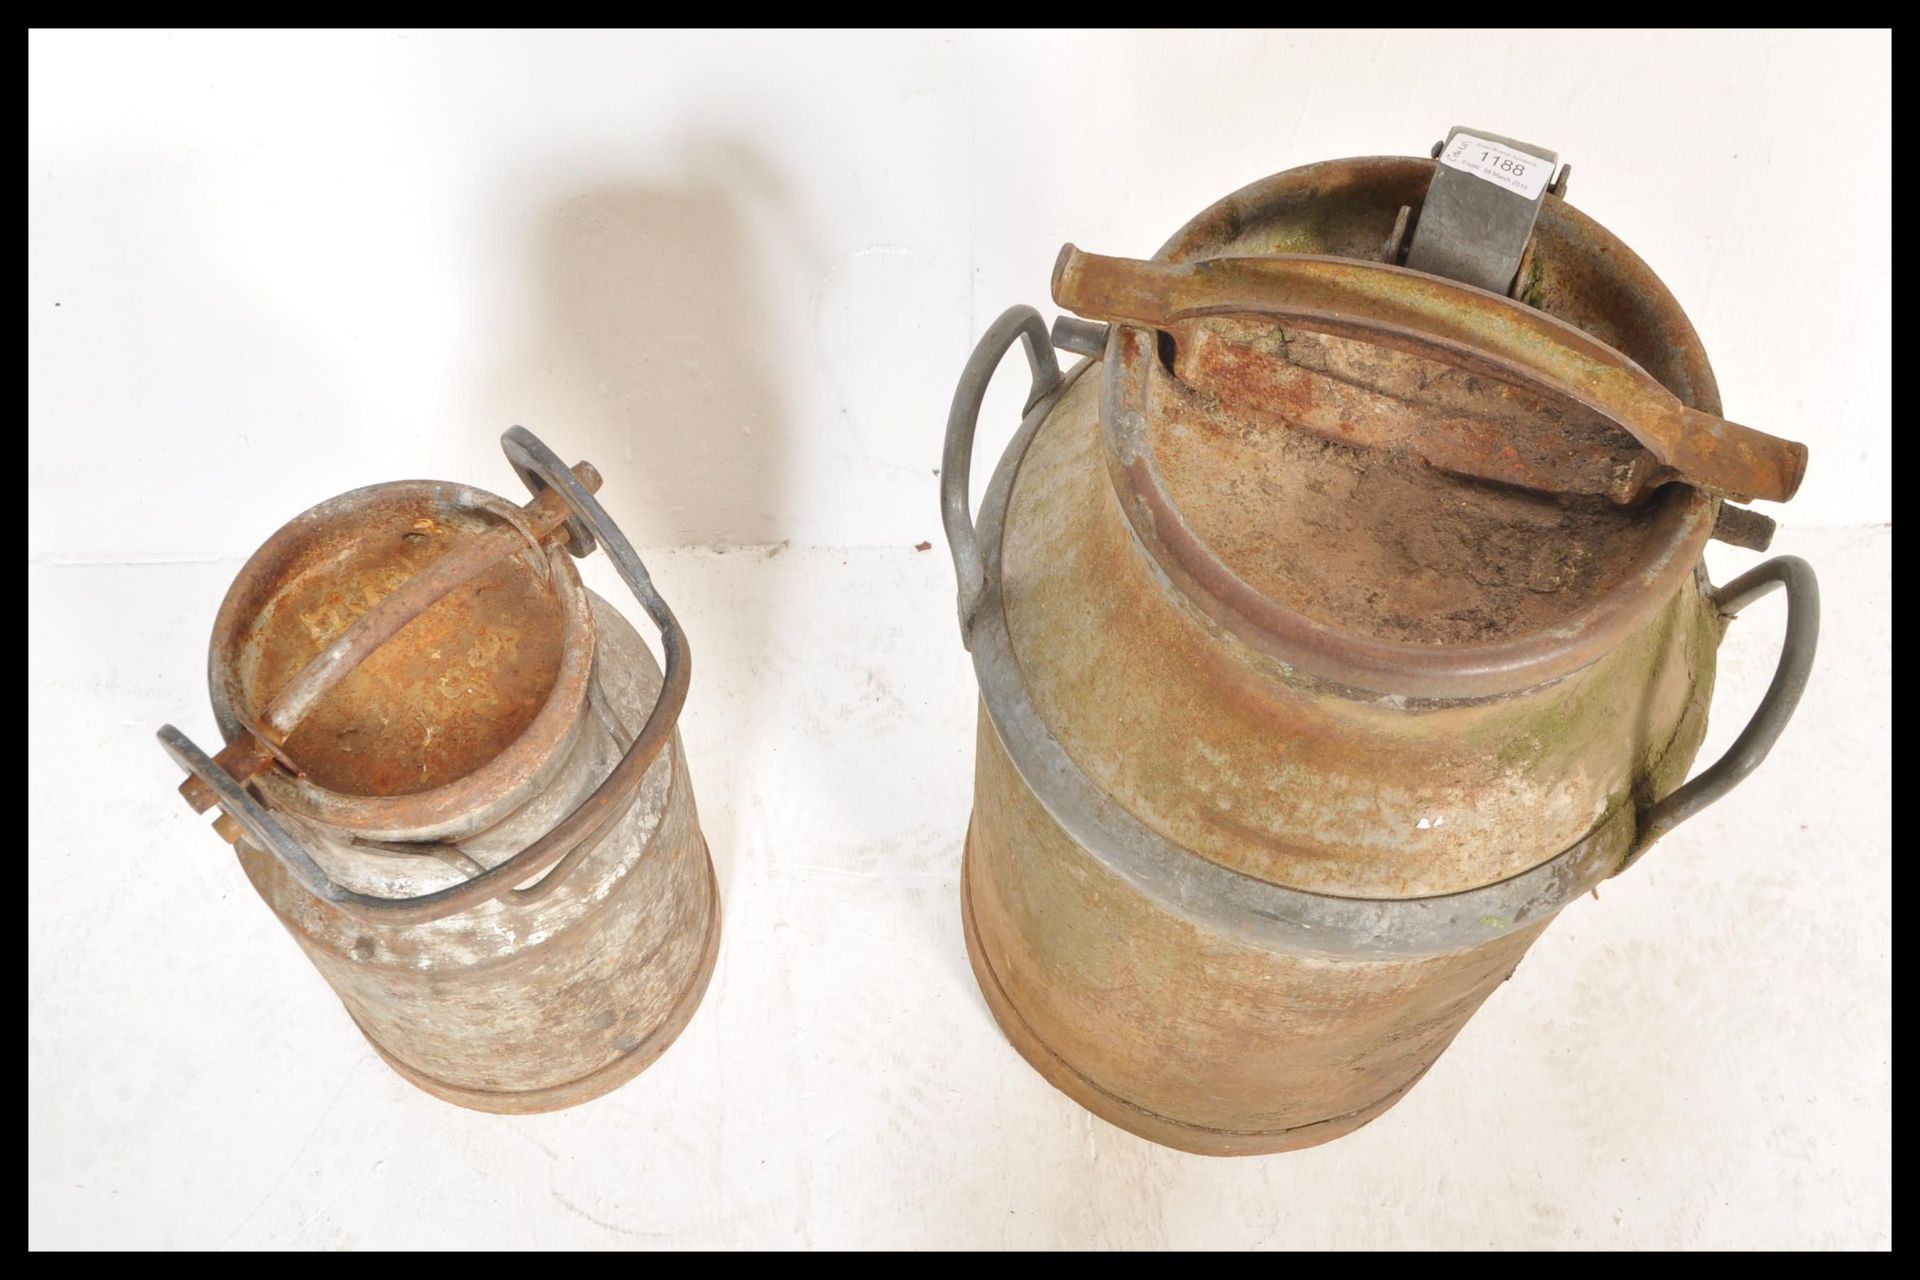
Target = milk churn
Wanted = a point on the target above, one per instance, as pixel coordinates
(454, 774)
(1337, 620)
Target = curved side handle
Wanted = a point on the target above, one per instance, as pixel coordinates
(1775, 709)
(570, 840)
(1020, 323)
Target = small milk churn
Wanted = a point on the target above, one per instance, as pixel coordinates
(1338, 620)
(455, 776)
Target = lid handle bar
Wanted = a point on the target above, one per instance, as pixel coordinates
(568, 495)
(1429, 315)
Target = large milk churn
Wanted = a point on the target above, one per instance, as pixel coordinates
(1338, 620)
(455, 776)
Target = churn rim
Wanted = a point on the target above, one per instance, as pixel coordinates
(463, 805)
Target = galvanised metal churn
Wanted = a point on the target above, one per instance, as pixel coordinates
(1338, 620)
(454, 774)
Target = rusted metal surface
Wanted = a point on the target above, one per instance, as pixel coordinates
(1371, 570)
(1743, 527)
(396, 575)
(473, 814)
(470, 694)
(1373, 398)
(1467, 328)
(418, 590)
(1321, 666)
(1394, 251)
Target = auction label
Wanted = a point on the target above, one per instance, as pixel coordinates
(1498, 163)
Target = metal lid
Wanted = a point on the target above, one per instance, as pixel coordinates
(1402, 481)
(472, 647)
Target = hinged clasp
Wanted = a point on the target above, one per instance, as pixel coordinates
(1478, 217)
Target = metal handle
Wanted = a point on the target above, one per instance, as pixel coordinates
(1020, 323)
(1775, 709)
(1439, 317)
(570, 840)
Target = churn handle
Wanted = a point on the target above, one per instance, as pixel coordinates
(1450, 321)
(1019, 323)
(1775, 709)
(567, 844)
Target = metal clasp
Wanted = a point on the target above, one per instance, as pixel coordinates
(1477, 221)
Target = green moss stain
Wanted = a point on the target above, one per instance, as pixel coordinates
(1545, 734)
(1533, 291)
(1519, 752)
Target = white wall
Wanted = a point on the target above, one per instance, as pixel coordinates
(741, 272)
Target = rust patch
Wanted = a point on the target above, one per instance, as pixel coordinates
(456, 686)
(442, 650)
(1365, 535)
(1372, 397)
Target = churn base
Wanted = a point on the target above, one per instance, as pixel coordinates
(604, 1079)
(1116, 1110)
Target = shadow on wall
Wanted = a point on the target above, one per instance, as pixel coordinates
(649, 354)
(649, 350)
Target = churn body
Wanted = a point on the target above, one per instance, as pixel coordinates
(455, 776)
(1335, 626)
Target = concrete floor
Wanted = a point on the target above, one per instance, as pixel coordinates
(1700, 1058)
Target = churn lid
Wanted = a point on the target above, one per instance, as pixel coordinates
(1384, 470)
(413, 655)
